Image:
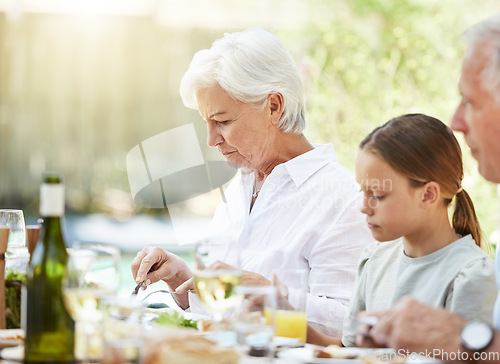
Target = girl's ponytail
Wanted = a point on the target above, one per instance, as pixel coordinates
(464, 220)
(424, 149)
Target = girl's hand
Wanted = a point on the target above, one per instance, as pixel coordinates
(411, 326)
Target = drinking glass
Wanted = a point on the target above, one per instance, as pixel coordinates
(215, 284)
(290, 316)
(16, 262)
(123, 330)
(14, 220)
(91, 276)
(254, 322)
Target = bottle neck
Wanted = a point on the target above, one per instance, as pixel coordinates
(51, 200)
(51, 236)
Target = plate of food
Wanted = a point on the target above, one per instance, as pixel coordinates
(174, 318)
(11, 337)
(333, 354)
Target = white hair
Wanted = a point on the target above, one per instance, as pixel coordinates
(488, 31)
(249, 65)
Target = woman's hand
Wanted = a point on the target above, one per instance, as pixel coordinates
(153, 264)
(247, 279)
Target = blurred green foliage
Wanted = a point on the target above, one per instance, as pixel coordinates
(78, 92)
(367, 61)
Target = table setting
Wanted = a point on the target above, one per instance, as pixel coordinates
(110, 328)
(227, 323)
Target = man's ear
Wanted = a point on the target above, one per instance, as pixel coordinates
(275, 104)
(430, 194)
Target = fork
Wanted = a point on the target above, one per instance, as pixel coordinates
(367, 320)
(137, 288)
(164, 291)
(371, 321)
(139, 285)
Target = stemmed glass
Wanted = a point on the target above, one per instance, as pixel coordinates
(14, 220)
(92, 275)
(17, 255)
(216, 283)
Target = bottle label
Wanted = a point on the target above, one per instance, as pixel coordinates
(51, 200)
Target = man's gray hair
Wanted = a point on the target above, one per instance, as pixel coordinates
(249, 65)
(488, 30)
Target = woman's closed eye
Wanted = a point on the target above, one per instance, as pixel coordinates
(216, 122)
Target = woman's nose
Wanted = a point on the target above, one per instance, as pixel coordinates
(214, 138)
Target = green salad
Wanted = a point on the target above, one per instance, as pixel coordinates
(174, 319)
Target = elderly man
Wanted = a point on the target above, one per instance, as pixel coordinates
(414, 327)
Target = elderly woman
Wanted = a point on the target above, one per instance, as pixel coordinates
(292, 204)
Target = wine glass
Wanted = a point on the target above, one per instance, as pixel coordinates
(92, 275)
(17, 255)
(216, 284)
(14, 220)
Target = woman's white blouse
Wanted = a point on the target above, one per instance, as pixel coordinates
(307, 215)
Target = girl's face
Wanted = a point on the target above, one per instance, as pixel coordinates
(391, 204)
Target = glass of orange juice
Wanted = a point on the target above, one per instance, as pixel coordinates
(290, 315)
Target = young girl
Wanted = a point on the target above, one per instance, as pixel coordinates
(410, 170)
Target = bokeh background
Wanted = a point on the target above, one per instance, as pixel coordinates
(84, 81)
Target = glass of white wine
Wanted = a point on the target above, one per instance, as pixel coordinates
(217, 273)
(92, 275)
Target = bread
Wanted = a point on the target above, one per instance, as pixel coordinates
(181, 346)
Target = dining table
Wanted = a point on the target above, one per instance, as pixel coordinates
(284, 355)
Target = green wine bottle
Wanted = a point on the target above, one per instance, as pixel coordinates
(50, 331)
